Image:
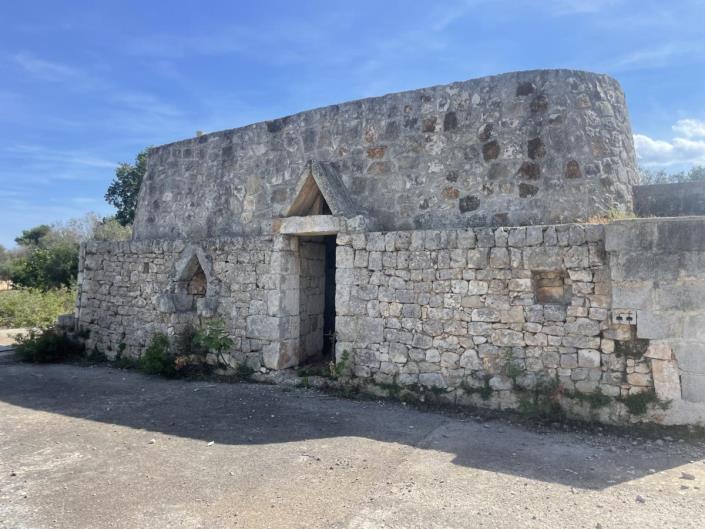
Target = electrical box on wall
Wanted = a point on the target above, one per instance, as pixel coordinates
(624, 316)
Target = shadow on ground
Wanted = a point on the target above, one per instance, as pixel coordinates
(251, 414)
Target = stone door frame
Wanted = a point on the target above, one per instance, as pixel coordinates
(284, 295)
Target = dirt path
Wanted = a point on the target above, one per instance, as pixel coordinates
(103, 448)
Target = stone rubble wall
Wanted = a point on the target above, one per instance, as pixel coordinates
(533, 147)
(478, 316)
(126, 294)
(456, 309)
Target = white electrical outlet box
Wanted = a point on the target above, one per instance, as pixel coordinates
(624, 316)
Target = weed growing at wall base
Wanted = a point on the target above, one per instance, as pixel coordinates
(47, 346)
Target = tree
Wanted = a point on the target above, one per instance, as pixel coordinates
(33, 236)
(123, 190)
(109, 229)
(50, 258)
(651, 176)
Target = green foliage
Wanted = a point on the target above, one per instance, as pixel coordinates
(28, 307)
(124, 189)
(110, 229)
(156, 359)
(33, 236)
(512, 369)
(213, 338)
(96, 356)
(393, 389)
(696, 173)
(485, 391)
(46, 268)
(337, 369)
(596, 399)
(126, 362)
(244, 372)
(542, 402)
(638, 403)
(45, 346)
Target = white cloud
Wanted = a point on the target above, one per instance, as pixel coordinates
(686, 148)
(690, 128)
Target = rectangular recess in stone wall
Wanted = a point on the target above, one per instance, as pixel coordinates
(550, 287)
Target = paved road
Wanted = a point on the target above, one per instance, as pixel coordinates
(102, 448)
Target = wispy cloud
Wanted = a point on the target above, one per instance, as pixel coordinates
(44, 69)
(581, 7)
(40, 153)
(688, 148)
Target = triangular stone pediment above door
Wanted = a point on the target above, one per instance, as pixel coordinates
(320, 191)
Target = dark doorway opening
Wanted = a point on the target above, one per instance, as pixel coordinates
(316, 298)
(329, 297)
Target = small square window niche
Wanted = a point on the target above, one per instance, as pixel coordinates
(550, 287)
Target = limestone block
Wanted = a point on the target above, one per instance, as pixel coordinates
(576, 257)
(693, 387)
(470, 360)
(569, 360)
(632, 295)
(588, 358)
(659, 351)
(478, 258)
(398, 353)
(501, 382)
(543, 258)
(432, 380)
(667, 383)
(659, 325)
(506, 337)
(486, 315)
(689, 355)
(534, 235)
(465, 239)
(583, 327)
(549, 236)
(499, 258)
(638, 379)
(344, 257)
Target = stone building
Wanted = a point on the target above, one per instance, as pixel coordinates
(435, 238)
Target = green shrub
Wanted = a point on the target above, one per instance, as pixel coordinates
(638, 403)
(156, 359)
(337, 369)
(47, 346)
(213, 338)
(29, 307)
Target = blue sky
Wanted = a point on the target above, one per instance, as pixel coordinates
(85, 85)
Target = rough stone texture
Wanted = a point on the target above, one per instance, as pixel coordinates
(442, 299)
(451, 317)
(127, 293)
(657, 268)
(669, 200)
(445, 156)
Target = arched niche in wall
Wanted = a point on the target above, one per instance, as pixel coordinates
(194, 287)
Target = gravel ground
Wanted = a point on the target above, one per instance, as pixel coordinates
(96, 447)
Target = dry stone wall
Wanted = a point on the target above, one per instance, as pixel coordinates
(457, 311)
(478, 316)
(520, 148)
(128, 292)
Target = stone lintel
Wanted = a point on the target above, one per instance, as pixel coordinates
(311, 225)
